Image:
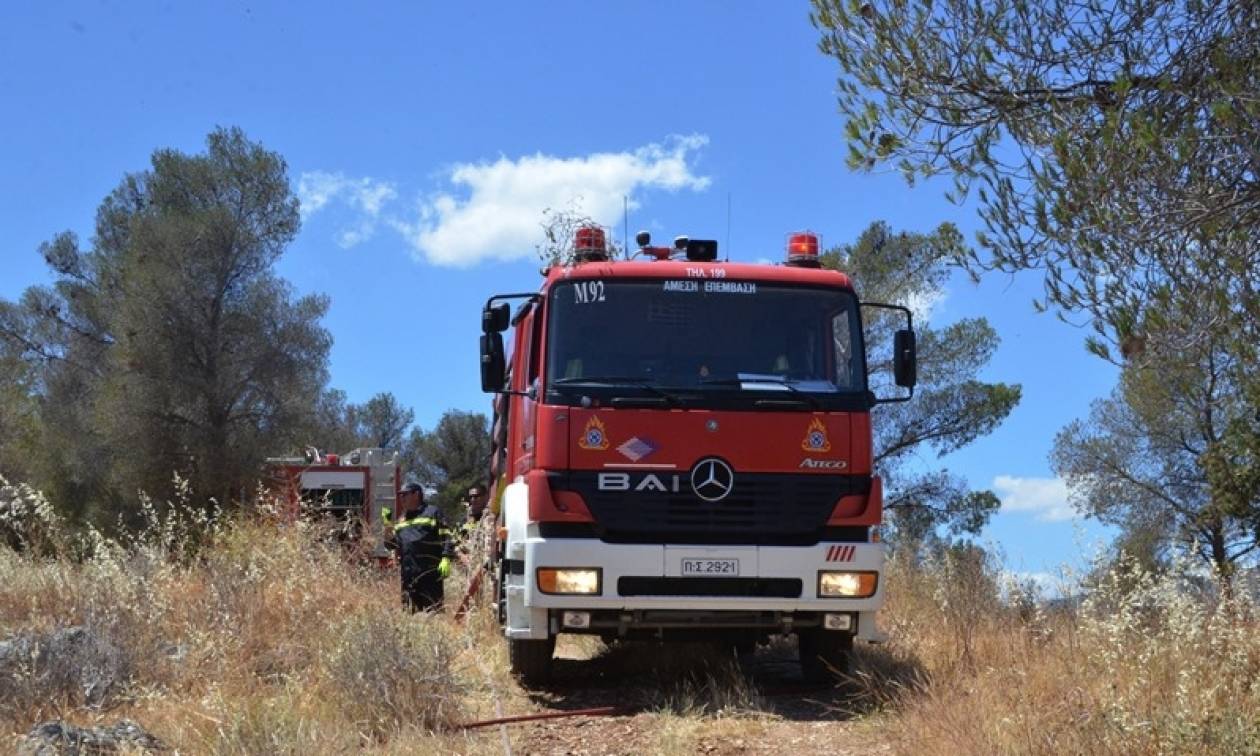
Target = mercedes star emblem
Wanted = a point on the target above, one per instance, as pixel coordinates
(712, 479)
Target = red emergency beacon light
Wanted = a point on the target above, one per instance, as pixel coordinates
(802, 249)
(590, 243)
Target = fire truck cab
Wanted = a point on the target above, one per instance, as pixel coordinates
(682, 451)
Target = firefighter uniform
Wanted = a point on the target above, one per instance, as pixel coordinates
(475, 505)
(423, 544)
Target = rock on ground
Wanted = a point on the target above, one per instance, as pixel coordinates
(58, 738)
(68, 660)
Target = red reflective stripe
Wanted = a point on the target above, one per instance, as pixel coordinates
(838, 553)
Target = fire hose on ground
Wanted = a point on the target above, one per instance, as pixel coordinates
(599, 711)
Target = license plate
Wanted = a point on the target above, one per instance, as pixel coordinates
(710, 567)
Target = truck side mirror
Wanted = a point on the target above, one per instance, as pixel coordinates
(905, 367)
(905, 360)
(494, 319)
(492, 361)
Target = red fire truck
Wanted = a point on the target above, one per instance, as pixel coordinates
(683, 451)
(350, 489)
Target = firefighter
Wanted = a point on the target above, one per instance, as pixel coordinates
(476, 502)
(475, 506)
(424, 550)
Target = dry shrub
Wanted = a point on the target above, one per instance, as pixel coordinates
(233, 634)
(65, 668)
(1144, 664)
(284, 722)
(387, 671)
(29, 523)
(243, 635)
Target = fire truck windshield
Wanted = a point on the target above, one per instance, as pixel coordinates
(701, 338)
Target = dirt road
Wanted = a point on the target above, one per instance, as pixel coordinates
(688, 699)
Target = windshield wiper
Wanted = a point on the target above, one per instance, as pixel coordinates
(776, 380)
(619, 380)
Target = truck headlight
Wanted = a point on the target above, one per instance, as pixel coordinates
(569, 580)
(847, 584)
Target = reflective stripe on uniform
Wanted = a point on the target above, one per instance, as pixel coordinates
(429, 521)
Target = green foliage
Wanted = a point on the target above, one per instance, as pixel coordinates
(951, 407)
(19, 416)
(1113, 147)
(452, 457)
(332, 428)
(1170, 458)
(380, 422)
(1113, 144)
(168, 344)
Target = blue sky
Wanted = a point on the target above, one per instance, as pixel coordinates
(424, 139)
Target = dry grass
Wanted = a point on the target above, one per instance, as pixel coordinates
(1143, 665)
(240, 636)
(262, 638)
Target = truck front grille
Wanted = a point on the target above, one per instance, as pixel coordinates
(761, 509)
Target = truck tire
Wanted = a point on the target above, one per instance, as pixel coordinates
(530, 660)
(824, 654)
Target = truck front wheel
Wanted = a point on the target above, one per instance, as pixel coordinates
(824, 653)
(530, 660)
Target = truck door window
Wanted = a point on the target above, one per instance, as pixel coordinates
(522, 351)
(535, 346)
(845, 366)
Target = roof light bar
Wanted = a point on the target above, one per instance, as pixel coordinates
(802, 249)
(590, 243)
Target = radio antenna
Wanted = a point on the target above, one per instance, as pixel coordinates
(625, 228)
(728, 226)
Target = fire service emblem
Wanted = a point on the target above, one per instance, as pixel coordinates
(594, 435)
(816, 437)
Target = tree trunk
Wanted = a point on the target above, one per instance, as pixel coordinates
(1220, 559)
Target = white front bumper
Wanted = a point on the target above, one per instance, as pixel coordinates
(652, 560)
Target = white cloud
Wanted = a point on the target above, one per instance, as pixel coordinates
(493, 210)
(923, 304)
(315, 189)
(1045, 498)
(364, 197)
